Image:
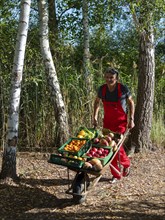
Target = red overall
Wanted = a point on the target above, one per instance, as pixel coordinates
(115, 119)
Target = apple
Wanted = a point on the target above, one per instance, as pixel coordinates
(106, 151)
(103, 141)
(100, 151)
(92, 153)
(96, 155)
(96, 140)
(112, 143)
(111, 135)
(89, 155)
(108, 138)
(94, 149)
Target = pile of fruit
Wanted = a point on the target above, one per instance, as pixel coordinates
(108, 138)
(90, 149)
(86, 133)
(97, 152)
(74, 145)
(76, 157)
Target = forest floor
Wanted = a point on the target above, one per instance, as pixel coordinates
(41, 192)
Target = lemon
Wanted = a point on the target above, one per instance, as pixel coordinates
(79, 158)
(80, 136)
(82, 132)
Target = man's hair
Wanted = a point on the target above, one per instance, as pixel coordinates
(112, 71)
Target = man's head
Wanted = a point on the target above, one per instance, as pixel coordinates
(111, 76)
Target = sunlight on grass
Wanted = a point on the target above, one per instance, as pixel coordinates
(158, 129)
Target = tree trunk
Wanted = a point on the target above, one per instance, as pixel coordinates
(86, 56)
(53, 22)
(53, 26)
(9, 154)
(59, 107)
(145, 96)
(2, 112)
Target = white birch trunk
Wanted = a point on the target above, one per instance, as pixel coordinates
(56, 96)
(9, 156)
(86, 59)
(86, 55)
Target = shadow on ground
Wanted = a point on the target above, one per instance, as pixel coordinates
(28, 201)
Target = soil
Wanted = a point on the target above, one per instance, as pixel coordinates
(41, 192)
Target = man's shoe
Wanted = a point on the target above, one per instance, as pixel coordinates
(113, 180)
(126, 171)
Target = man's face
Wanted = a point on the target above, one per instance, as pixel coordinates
(110, 79)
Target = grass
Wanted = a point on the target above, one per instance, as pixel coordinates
(158, 129)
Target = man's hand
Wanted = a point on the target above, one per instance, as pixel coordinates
(96, 110)
(131, 123)
(95, 123)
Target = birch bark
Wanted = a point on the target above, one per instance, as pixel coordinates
(86, 55)
(56, 96)
(9, 154)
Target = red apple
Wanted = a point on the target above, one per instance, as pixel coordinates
(106, 151)
(96, 140)
(97, 155)
(99, 151)
(94, 149)
(92, 153)
(89, 155)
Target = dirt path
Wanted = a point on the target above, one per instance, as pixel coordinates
(41, 192)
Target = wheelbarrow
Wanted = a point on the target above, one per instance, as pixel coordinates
(82, 184)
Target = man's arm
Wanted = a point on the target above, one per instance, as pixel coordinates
(131, 106)
(96, 110)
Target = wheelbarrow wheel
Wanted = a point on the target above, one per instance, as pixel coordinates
(78, 199)
(78, 187)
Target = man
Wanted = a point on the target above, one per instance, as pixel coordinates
(116, 97)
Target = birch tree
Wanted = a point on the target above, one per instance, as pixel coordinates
(53, 26)
(56, 96)
(9, 154)
(86, 53)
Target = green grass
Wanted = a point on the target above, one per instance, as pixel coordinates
(158, 129)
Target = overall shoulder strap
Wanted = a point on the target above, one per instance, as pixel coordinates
(104, 91)
(119, 90)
